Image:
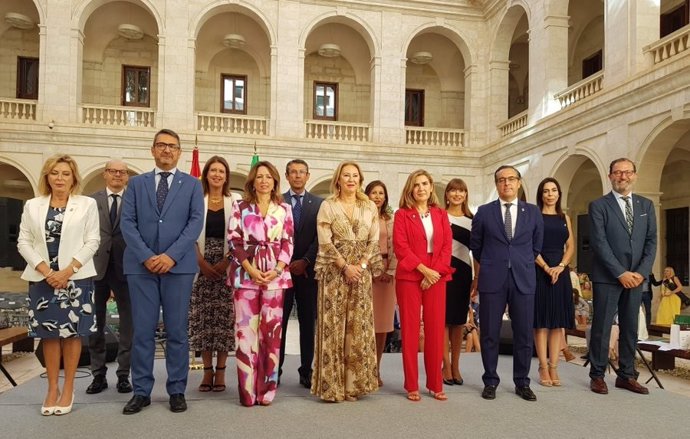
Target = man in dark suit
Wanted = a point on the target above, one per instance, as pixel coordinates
(110, 277)
(623, 237)
(305, 206)
(162, 217)
(506, 237)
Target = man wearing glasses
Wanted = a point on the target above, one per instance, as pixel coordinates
(623, 237)
(110, 277)
(506, 238)
(162, 217)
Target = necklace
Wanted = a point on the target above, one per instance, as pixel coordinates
(216, 200)
(423, 214)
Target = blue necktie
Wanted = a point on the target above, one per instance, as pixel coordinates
(113, 209)
(297, 210)
(162, 190)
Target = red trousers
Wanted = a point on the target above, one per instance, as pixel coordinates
(430, 304)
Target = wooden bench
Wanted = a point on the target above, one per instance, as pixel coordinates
(21, 342)
(665, 360)
(659, 330)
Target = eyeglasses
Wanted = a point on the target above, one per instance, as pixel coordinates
(622, 173)
(504, 180)
(116, 171)
(160, 146)
(298, 172)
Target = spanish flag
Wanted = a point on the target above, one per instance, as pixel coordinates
(196, 170)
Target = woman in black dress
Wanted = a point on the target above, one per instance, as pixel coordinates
(553, 304)
(458, 288)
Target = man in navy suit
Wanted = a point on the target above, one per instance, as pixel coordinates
(162, 216)
(506, 237)
(304, 286)
(623, 237)
(110, 277)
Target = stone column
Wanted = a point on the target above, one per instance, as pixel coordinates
(498, 109)
(548, 70)
(287, 91)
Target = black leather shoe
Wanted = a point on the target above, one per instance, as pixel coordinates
(123, 385)
(305, 380)
(98, 385)
(525, 393)
(135, 404)
(178, 403)
(489, 392)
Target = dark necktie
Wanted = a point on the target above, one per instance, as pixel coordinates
(162, 190)
(297, 210)
(628, 214)
(113, 209)
(508, 221)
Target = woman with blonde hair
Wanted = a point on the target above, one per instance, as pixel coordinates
(422, 241)
(670, 303)
(58, 236)
(260, 236)
(345, 365)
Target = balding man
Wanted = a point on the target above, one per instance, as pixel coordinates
(110, 278)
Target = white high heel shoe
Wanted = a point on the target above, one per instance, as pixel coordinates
(64, 410)
(47, 411)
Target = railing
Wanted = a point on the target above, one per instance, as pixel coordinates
(353, 132)
(670, 46)
(18, 109)
(118, 116)
(513, 124)
(232, 123)
(580, 90)
(434, 136)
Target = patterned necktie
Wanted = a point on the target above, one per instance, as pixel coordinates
(162, 190)
(297, 210)
(508, 221)
(628, 214)
(113, 209)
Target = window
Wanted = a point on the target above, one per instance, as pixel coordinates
(414, 108)
(27, 78)
(675, 19)
(136, 86)
(325, 100)
(234, 94)
(591, 65)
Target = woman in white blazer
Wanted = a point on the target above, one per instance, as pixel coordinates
(58, 237)
(211, 312)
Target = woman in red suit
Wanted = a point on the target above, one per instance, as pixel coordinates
(422, 242)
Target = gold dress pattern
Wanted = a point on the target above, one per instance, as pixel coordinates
(345, 350)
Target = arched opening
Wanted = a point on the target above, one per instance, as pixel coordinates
(15, 188)
(585, 39)
(19, 50)
(322, 188)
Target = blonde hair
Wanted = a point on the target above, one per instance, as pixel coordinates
(43, 186)
(335, 186)
(407, 198)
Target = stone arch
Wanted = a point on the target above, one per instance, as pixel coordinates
(454, 35)
(220, 6)
(16, 169)
(655, 149)
(503, 35)
(567, 165)
(321, 186)
(347, 19)
(82, 12)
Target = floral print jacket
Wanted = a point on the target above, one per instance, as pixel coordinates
(263, 241)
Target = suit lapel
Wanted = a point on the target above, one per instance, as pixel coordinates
(172, 191)
(613, 204)
(150, 183)
(521, 219)
(42, 214)
(71, 210)
(103, 211)
(498, 215)
(119, 210)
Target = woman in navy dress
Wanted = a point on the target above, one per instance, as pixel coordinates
(458, 288)
(553, 304)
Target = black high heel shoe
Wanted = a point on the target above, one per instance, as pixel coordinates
(449, 381)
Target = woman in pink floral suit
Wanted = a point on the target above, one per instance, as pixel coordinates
(260, 233)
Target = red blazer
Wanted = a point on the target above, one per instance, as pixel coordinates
(409, 243)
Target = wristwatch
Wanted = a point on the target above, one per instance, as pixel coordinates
(75, 269)
(363, 265)
(561, 264)
(278, 270)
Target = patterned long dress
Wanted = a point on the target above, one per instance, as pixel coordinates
(345, 350)
(62, 313)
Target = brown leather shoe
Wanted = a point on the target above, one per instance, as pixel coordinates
(598, 385)
(632, 385)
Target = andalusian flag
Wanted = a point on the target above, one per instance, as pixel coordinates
(255, 157)
(196, 170)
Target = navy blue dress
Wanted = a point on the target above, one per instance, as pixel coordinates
(60, 313)
(553, 304)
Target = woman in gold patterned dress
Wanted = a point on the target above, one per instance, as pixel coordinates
(348, 230)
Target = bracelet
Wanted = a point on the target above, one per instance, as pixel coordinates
(49, 273)
(561, 264)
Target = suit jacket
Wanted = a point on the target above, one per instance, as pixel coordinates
(172, 230)
(616, 251)
(392, 260)
(79, 239)
(306, 240)
(497, 255)
(227, 211)
(112, 246)
(409, 242)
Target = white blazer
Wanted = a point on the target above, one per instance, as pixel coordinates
(227, 211)
(79, 240)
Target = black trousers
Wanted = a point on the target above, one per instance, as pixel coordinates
(304, 293)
